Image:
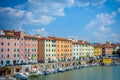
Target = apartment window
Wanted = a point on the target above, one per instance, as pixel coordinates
(8, 49)
(17, 55)
(8, 37)
(28, 50)
(14, 50)
(14, 44)
(14, 55)
(28, 55)
(28, 39)
(46, 55)
(28, 44)
(52, 55)
(35, 55)
(25, 55)
(2, 50)
(8, 56)
(2, 43)
(8, 44)
(2, 37)
(46, 50)
(2, 55)
(18, 50)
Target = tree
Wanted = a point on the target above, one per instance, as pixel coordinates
(118, 52)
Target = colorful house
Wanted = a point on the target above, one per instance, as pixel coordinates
(46, 50)
(13, 47)
(98, 50)
(82, 49)
(63, 49)
(107, 49)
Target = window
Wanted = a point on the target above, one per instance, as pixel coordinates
(17, 55)
(8, 44)
(8, 37)
(2, 43)
(2, 50)
(8, 56)
(28, 50)
(46, 55)
(25, 55)
(14, 55)
(8, 49)
(14, 50)
(28, 55)
(14, 44)
(18, 50)
(2, 55)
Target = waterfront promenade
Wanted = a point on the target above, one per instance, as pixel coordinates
(12, 70)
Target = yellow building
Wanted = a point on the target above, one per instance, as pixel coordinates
(97, 50)
(46, 50)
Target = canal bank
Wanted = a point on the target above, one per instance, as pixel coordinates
(12, 70)
(90, 73)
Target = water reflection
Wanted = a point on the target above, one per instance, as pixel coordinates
(92, 73)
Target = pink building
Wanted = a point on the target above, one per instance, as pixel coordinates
(17, 47)
(107, 49)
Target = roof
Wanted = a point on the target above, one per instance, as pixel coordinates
(82, 42)
(26, 36)
(45, 38)
(60, 39)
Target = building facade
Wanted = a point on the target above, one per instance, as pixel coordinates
(97, 50)
(63, 49)
(13, 46)
(107, 49)
(46, 50)
(82, 49)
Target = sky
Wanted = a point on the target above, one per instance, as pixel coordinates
(90, 20)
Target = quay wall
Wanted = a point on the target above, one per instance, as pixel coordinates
(44, 66)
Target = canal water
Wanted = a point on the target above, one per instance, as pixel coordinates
(91, 73)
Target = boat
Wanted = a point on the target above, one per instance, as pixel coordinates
(61, 70)
(27, 74)
(20, 76)
(46, 72)
(34, 74)
(2, 78)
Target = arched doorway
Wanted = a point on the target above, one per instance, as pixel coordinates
(27, 69)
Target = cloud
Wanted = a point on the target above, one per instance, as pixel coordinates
(102, 37)
(100, 28)
(103, 19)
(118, 10)
(41, 32)
(104, 29)
(41, 12)
(84, 3)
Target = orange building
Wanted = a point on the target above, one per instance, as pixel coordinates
(63, 49)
